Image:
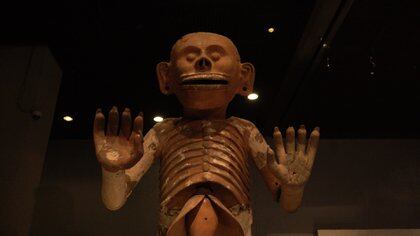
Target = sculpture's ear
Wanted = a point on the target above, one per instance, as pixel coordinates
(247, 77)
(162, 71)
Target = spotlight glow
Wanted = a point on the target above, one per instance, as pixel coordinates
(68, 118)
(252, 96)
(158, 119)
(271, 30)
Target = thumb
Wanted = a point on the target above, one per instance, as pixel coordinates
(280, 171)
(136, 153)
(138, 144)
(283, 173)
(270, 158)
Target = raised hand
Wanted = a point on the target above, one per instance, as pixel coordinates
(118, 150)
(291, 163)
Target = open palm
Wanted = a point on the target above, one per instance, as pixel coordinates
(292, 163)
(118, 150)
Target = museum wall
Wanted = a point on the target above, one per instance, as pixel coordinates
(29, 84)
(356, 184)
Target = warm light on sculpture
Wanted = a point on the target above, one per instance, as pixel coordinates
(204, 156)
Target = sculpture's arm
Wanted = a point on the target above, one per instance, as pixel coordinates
(121, 154)
(258, 149)
(118, 186)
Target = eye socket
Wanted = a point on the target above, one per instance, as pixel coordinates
(215, 56)
(191, 56)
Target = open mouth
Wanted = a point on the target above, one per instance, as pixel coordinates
(204, 80)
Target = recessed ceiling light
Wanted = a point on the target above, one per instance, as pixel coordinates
(158, 119)
(271, 30)
(252, 96)
(68, 118)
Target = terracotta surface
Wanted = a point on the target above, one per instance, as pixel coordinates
(204, 156)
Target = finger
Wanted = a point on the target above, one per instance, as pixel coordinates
(271, 161)
(99, 125)
(138, 124)
(98, 130)
(113, 121)
(137, 134)
(279, 147)
(312, 146)
(301, 139)
(136, 154)
(278, 170)
(125, 129)
(290, 140)
(138, 145)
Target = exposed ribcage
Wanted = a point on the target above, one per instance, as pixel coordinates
(204, 154)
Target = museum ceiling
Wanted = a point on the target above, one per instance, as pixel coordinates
(350, 67)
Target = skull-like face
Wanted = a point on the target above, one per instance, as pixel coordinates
(205, 72)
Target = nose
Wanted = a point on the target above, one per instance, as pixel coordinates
(203, 64)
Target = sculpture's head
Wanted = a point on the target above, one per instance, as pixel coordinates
(205, 72)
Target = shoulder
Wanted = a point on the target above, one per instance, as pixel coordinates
(166, 123)
(248, 129)
(164, 126)
(153, 138)
(242, 123)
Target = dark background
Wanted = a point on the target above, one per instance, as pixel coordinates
(350, 67)
(108, 51)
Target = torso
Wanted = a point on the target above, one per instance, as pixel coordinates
(203, 157)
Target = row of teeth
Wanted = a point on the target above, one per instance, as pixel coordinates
(204, 79)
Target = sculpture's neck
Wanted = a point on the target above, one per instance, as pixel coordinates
(213, 114)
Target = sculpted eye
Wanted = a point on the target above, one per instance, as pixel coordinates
(191, 57)
(215, 56)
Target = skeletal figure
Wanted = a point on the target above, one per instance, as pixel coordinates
(204, 156)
